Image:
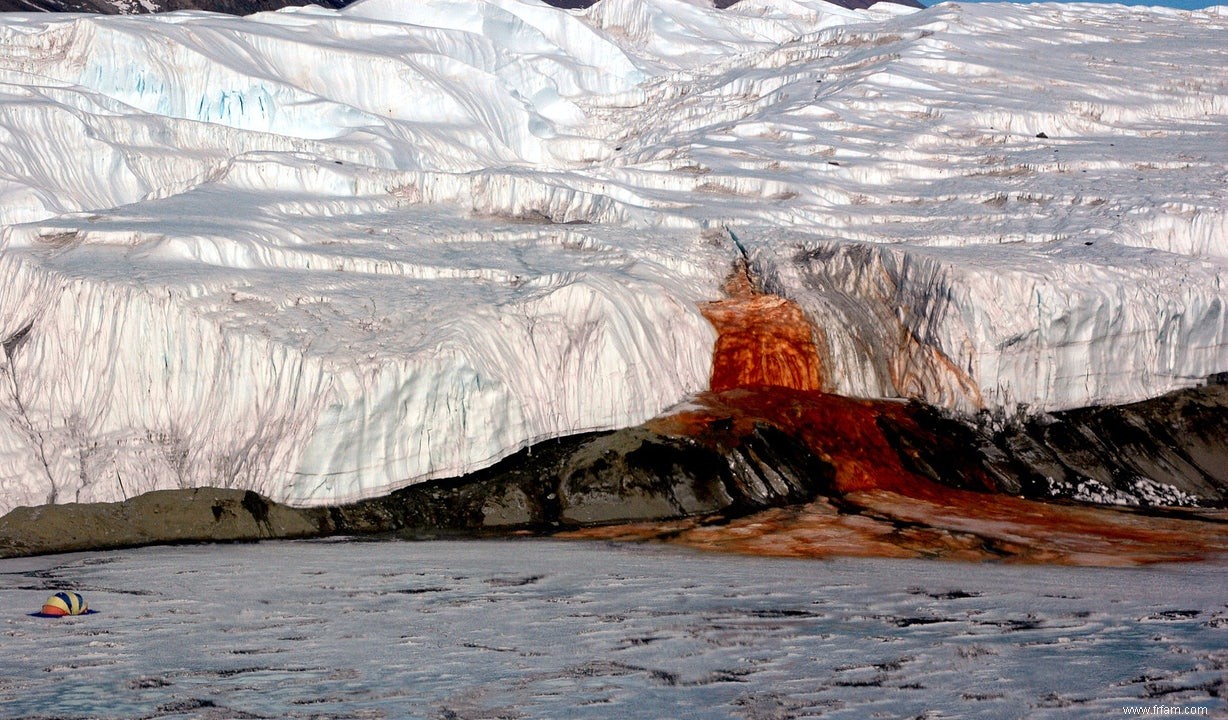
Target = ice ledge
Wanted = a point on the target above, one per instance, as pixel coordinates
(1044, 326)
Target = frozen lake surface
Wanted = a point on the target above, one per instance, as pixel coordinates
(550, 629)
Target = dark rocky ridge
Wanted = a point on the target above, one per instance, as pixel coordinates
(160, 517)
(627, 475)
(125, 7)
(1111, 454)
(247, 7)
(722, 470)
(1180, 439)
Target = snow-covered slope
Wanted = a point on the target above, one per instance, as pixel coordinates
(325, 254)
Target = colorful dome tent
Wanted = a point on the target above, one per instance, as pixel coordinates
(64, 603)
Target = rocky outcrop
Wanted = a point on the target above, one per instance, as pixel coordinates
(246, 7)
(129, 7)
(630, 475)
(160, 517)
(736, 454)
(625, 476)
(1165, 451)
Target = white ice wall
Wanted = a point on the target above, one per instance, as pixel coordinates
(127, 384)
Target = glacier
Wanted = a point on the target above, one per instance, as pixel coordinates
(326, 254)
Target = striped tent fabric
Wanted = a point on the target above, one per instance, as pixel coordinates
(65, 603)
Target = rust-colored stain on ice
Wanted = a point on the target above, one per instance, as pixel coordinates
(762, 340)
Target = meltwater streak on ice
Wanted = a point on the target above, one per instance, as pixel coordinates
(320, 254)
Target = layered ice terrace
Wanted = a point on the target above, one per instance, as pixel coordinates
(323, 255)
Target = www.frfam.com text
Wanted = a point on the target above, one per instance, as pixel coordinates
(1165, 710)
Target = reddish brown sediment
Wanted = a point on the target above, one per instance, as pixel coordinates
(877, 507)
(766, 370)
(1095, 536)
(762, 340)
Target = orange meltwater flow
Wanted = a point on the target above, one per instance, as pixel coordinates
(762, 340)
(767, 369)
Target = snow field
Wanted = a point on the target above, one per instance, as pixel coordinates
(550, 629)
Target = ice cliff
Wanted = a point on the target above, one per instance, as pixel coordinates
(325, 254)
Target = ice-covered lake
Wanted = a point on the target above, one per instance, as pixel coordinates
(551, 629)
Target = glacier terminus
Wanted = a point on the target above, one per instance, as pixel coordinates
(323, 255)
